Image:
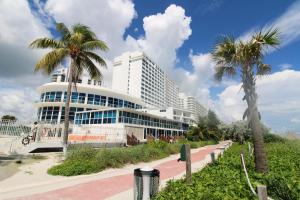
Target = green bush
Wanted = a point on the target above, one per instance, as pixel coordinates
(225, 180)
(85, 160)
(268, 138)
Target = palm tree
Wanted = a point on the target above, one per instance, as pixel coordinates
(77, 44)
(234, 57)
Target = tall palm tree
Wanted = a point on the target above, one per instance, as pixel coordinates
(234, 57)
(78, 45)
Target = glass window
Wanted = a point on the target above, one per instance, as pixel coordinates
(110, 101)
(42, 97)
(103, 100)
(74, 97)
(90, 99)
(81, 98)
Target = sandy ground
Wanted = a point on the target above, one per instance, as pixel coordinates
(7, 169)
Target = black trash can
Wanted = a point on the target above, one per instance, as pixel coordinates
(139, 186)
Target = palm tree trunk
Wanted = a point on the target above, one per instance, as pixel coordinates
(67, 109)
(260, 158)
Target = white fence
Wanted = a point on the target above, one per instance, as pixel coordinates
(13, 133)
(11, 128)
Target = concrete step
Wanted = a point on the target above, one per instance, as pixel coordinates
(38, 147)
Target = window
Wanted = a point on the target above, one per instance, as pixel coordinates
(109, 117)
(81, 98)
(58, 96)
(42, 97)
(49, 113)
(76, 97)
(72, 112)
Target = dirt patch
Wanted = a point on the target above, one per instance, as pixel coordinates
(9, 165)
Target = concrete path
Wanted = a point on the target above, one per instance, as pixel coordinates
(112, 183)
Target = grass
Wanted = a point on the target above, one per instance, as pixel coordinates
(86, 160)
(224, 180)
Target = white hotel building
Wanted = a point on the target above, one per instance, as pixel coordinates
(135, 74)
(142, 101)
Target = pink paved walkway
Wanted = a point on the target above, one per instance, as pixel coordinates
(107, 187)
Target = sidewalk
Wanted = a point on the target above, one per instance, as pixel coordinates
(110, 184)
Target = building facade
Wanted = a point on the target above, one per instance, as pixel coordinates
(142, 101)
(115, 123)
(88, 95)
(136, 74)
(191, 104)
(177, 114)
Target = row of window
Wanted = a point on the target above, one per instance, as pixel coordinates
(56, 96)
(133, 118)
(108, 117)
(51, 113)
(99, 117)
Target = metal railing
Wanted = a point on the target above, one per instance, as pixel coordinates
(11, 128)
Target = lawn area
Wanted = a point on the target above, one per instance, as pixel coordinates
(86, 160)
(225, 180)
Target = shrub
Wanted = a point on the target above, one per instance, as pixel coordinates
(225, 180)
(85, 160)
(268, 138)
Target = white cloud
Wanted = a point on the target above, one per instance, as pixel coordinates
(278, 98)
(288, 25)
(17, 23)
(18, 102)
(108, 19)
(198, 81)
(18, 28)
(164, 34)
(285, 66)
(295, 120)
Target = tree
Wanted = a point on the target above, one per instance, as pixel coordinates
(8, 118)
(78, 45)
(231, 56)
(212, 120)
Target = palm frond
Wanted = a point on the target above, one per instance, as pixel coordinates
(91, 68)
(51, 60)
(85, 31)
(94, 45)
(44, 43)
(263, 69)
(64, 31)
(96, 58)
(220, 71)
(225, 50)
(76, 39)
(269, 38)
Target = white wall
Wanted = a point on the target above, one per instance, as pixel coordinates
(120, 73)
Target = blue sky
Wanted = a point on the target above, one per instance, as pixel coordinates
(178, 35)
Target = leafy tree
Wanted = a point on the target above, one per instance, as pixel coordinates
(234, 57)
(77, 44)
(212, 120)
(8, 118)
(207, 128)
(236, 131)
